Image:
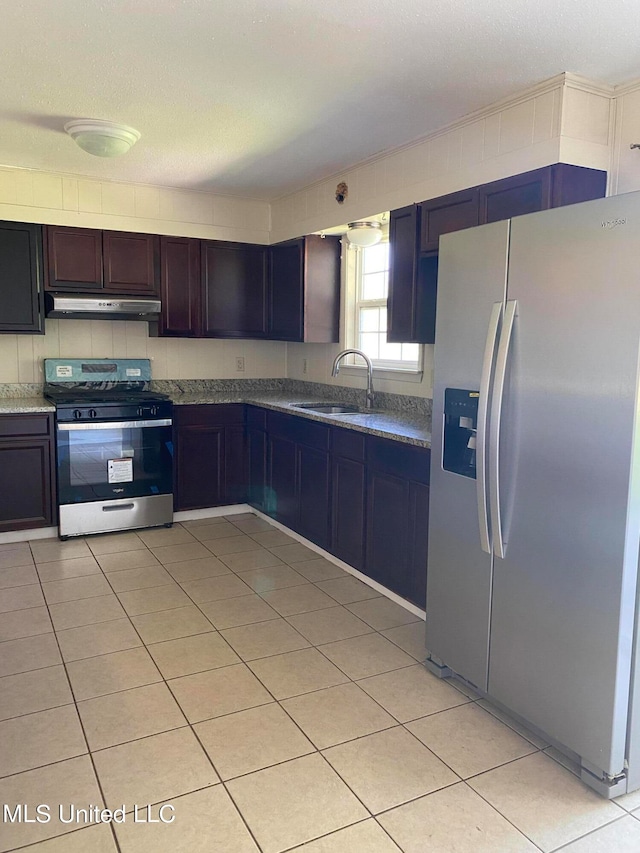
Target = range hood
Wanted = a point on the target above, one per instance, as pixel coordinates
(101, 307)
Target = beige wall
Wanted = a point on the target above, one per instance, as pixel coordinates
(55, 199)
(626, 160)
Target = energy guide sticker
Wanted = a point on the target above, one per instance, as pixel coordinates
(120, 470)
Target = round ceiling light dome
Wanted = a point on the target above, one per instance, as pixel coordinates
(364, 233)
(102, 138)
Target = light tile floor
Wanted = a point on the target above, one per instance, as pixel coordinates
(274, 701)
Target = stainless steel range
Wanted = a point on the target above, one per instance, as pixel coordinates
(114, 445)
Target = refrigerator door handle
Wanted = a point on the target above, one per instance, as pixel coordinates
(481, 434)
(494, 426)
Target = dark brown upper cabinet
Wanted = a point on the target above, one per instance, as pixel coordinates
(450, 213)
(180, 287)
(404, 237)
(304, 290)
(414, 233)
(553, 186)
(234, 289)
(21, 308)
(84, 260)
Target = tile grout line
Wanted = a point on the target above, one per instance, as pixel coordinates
(77, 710)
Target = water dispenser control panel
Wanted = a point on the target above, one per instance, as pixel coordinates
(460, 422)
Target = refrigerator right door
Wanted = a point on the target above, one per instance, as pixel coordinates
(564, 594)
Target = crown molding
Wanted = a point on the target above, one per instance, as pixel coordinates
(627, 88)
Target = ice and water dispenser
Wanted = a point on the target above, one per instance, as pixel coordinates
(460, 423)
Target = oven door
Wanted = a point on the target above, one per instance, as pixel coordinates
(114, 460)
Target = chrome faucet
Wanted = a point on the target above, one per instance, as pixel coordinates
(336, 369)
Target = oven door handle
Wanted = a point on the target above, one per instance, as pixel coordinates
(163, 422)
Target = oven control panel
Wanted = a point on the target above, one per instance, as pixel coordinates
(74, 412)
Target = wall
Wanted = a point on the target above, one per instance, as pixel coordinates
(564, 119)
(29, 196)
(626, 160)
(21, 355)
(56, 199)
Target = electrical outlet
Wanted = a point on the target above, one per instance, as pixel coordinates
(304, 365)
(240, 364)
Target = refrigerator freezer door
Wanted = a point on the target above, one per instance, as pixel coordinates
(471, 278)
(564, 595)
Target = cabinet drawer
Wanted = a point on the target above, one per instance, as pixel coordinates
(348, 444)
(218, 414)
(22, 426)
(299, 429)
(398, 459)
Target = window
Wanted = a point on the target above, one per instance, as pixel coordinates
(371, 272)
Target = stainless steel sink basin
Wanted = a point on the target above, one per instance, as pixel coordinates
(332, 408)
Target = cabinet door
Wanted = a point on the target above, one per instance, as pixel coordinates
(131, 262)
(418, 543)
(283, 500)
(74, 258)
(199, 466)
(515, 196)
(26, 474)
(573, 184)
(387, 559)
(235, 465)
(348, 511)
(314, 497)
(234, 277)
(21, 278)
(180, 287)
(286, 292)
(404, 228)
(257, 474)
(448, 213)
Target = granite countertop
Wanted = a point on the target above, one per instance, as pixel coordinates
(401, 426)
(24, 405)
(410, 427)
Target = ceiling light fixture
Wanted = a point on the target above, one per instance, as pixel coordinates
(364, 233)
(102, 138)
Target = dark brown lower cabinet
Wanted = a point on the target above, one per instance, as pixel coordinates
(397, 517)
(27, 472)
(348, 493)
(362, 498)
(210, 458)
(314, 494)
(299, 475)
(257, 490)
(282, 480)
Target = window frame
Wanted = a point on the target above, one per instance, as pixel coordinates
(385, 368)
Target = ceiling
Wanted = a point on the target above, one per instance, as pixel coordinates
(258, 98)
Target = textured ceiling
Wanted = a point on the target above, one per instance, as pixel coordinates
(260, 97)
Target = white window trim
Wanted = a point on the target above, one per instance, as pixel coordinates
(355, 366)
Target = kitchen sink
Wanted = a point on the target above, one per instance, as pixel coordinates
(333, 408)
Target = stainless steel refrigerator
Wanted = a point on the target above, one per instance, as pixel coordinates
(532, 583)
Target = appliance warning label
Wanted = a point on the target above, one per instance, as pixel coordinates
(120, 470)
(64, 371)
